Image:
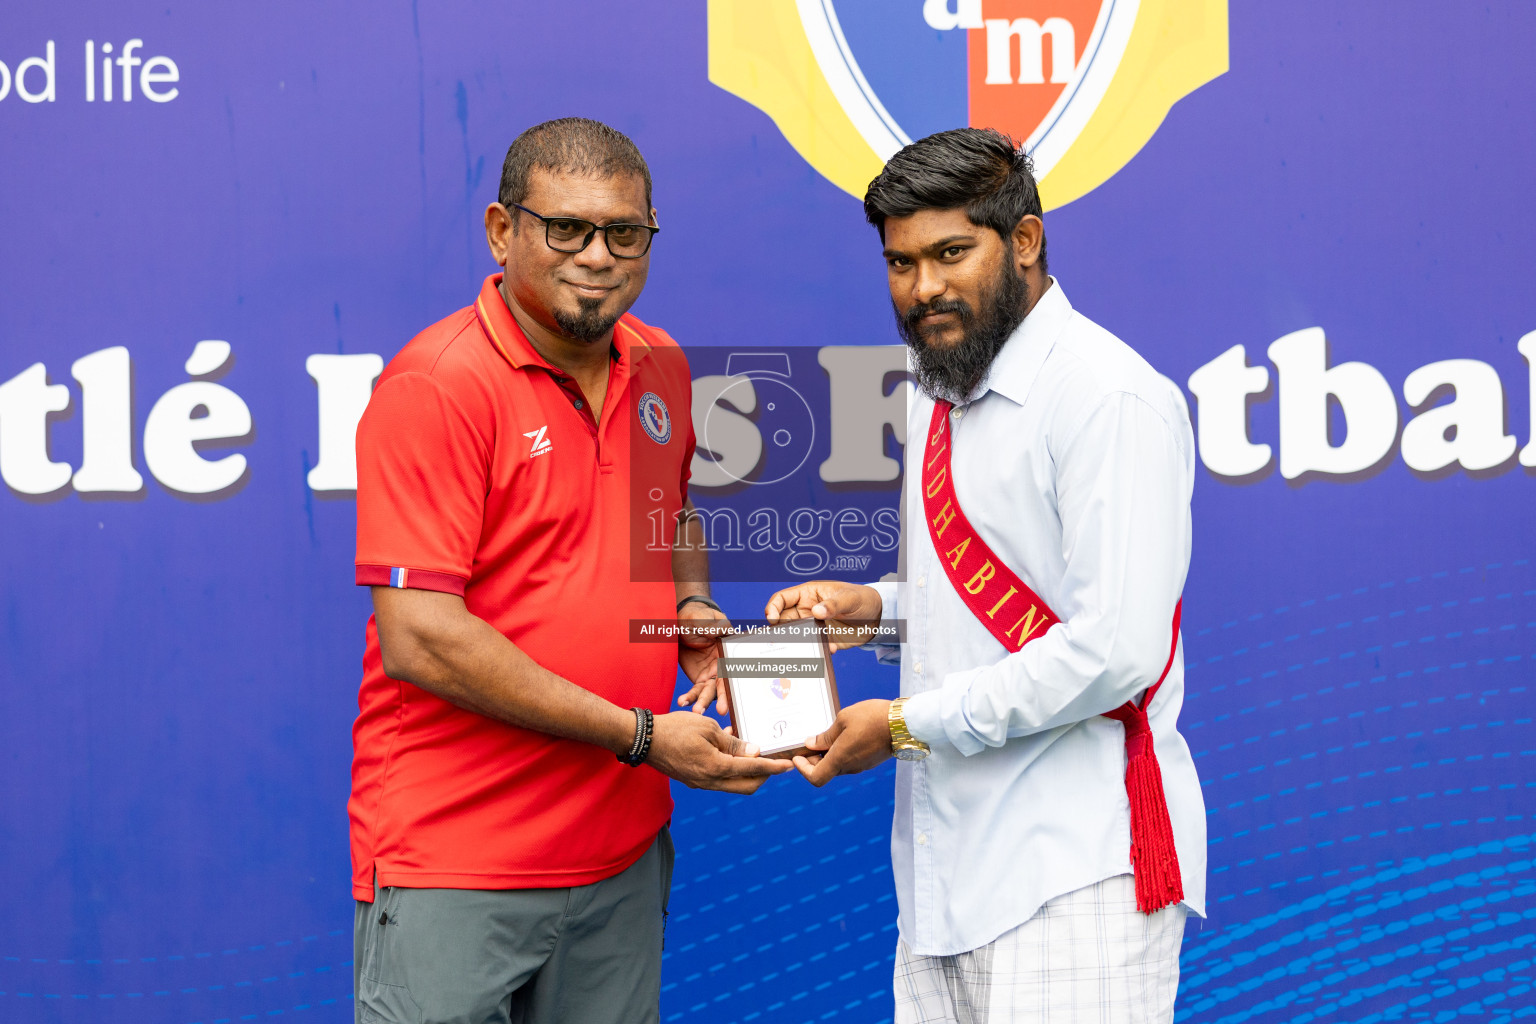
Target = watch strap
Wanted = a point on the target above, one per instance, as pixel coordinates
(901, 736)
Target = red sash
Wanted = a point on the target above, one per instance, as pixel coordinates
(1015, 615)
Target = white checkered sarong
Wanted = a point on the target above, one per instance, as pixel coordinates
(1089, 957)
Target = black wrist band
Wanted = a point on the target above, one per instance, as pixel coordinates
(703, 599)
(645, 729)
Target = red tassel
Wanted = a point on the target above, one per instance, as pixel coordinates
(1154, 858)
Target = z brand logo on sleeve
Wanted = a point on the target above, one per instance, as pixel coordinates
(541, 444)
(1082, 83)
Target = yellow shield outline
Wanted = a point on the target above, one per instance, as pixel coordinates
(761, 51)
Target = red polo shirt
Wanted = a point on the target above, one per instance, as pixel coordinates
(481, 472)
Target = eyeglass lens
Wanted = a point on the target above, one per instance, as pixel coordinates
(569, 235)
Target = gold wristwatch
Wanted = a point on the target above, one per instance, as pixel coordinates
(906, 746)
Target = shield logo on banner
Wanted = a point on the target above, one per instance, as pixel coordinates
(1084, 83)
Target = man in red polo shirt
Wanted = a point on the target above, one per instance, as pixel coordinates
(509, 783)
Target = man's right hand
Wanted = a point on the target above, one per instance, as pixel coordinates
(855, 609)
(695, 751)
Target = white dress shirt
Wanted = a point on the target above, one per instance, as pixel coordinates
(1075, 463)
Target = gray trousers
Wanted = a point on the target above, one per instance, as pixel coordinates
(589, 954)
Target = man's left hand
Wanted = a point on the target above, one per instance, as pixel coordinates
(859, 739)
(699, 652)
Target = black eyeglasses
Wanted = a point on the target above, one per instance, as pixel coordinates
(567, 234)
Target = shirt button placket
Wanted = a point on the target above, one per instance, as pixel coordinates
(922, 855)
(923, 875)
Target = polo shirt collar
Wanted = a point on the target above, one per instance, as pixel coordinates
(1014, 370)
(502, 329)
(631, 344)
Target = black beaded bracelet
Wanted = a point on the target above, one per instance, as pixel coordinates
(645, 729)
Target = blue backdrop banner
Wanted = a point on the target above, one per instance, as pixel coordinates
(218, 221)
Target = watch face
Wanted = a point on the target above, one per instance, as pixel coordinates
(911, 754)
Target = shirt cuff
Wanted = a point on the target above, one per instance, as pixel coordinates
(889, 596)
(405, 578)
(886, 653)
(889, 591)
(936, 716)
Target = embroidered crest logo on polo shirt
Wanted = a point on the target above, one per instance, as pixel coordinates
(655, 418)
(541, 444)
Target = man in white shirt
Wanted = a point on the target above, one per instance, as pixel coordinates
(1045, 854)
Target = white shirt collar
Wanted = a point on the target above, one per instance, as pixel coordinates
(1014, 370)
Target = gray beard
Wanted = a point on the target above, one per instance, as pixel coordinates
(589, 324)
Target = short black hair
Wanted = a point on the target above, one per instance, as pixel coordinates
(980, 170)
(576, 144)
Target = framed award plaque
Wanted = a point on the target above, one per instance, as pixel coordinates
(781, 685)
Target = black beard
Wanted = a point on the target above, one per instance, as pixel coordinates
(953, 374)
(590, 324)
